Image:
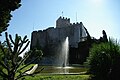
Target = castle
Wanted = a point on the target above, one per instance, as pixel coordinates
(48, 40)
(64, 28)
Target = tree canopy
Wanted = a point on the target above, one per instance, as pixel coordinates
(6, 7)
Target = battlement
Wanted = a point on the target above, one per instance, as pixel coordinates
(65, 19)
(65, 22)
(77, 23)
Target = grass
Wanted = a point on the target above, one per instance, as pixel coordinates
(58, 77)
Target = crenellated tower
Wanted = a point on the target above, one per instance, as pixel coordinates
(62, 22)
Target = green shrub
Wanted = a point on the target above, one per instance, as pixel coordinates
(104, 61)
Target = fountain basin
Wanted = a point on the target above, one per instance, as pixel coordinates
(62, 70)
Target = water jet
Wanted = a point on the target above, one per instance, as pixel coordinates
(65, 51)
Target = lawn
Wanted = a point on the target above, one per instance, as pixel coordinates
(58, 77)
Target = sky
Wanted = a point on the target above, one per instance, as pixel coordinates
(96, 15)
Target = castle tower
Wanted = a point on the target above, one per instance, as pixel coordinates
(62, 22)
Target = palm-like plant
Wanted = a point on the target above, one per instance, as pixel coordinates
(11, 62)
(104, 61)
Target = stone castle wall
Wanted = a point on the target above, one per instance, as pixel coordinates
(53, 36)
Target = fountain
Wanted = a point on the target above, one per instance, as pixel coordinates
(65, 51)
(62, 66)
(63, 61)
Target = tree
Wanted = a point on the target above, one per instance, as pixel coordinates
(6, 7)
(104, 61)
(11, 62)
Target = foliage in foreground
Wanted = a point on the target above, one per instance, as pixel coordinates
(104, 61)
(11, 62)
(58, 77)
(6, 7)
